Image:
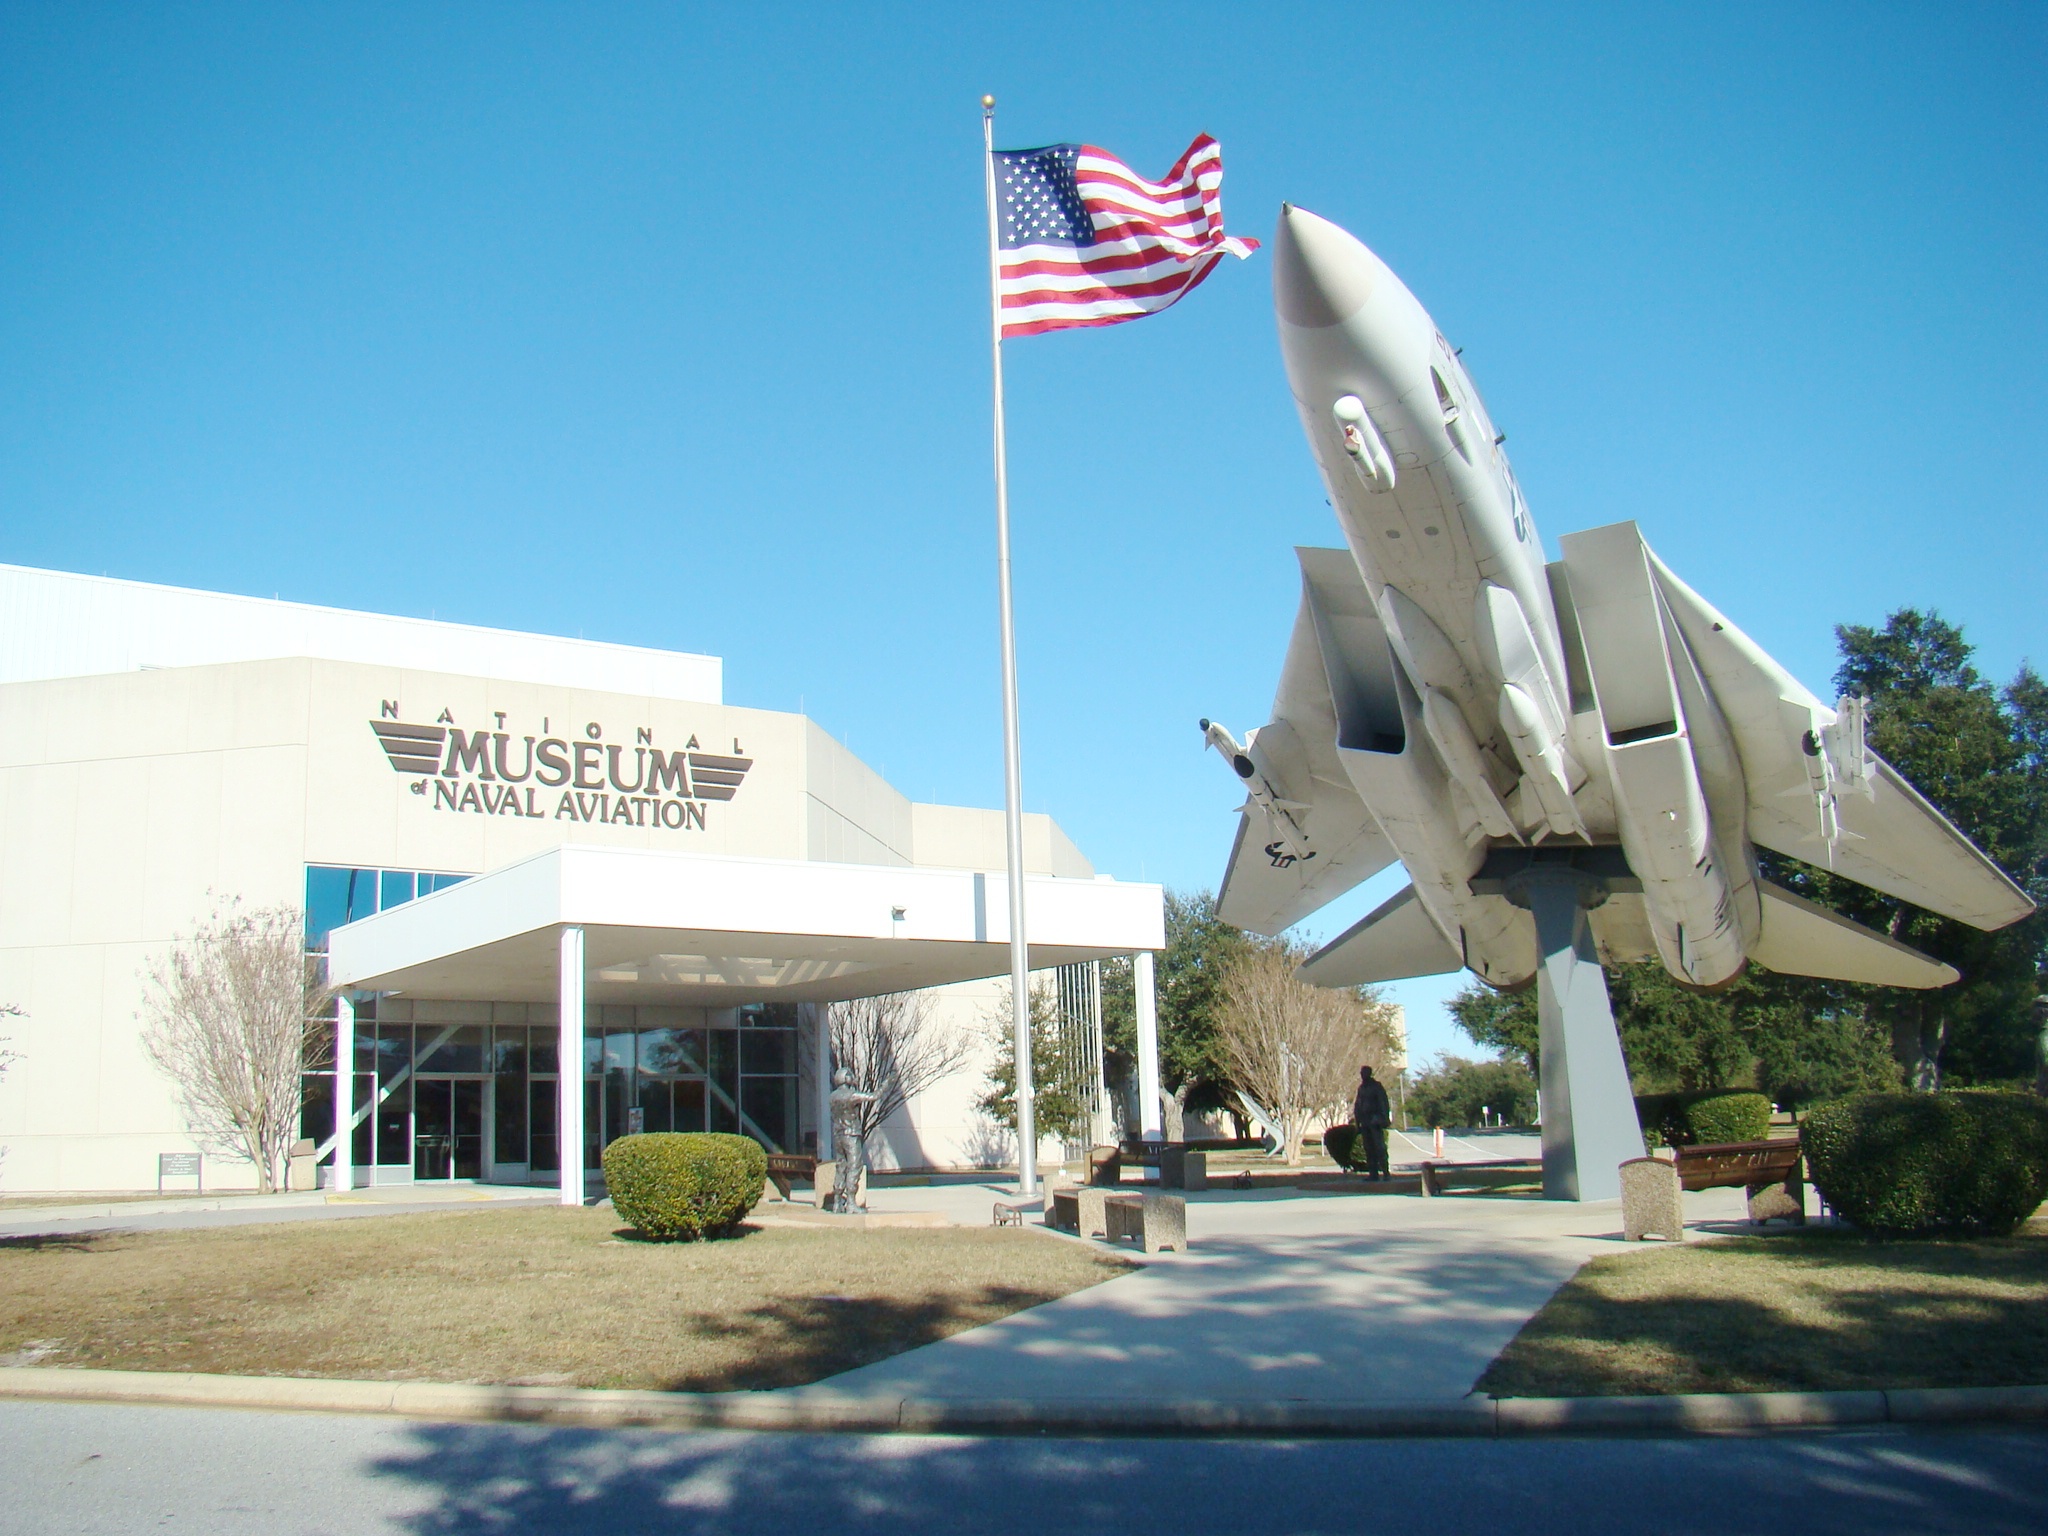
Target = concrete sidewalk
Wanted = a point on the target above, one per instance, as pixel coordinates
(232, 1210)
(1283, 1297)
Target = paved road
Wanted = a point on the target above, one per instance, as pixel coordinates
(105, 1469)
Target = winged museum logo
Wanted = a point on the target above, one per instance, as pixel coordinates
(568, 777)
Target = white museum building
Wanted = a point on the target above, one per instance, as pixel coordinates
(516, 851)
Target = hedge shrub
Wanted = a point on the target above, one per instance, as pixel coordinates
(1729, 1117)
(1967, 1162)
(1342, 1143)
(1703, 1115)
(671, 1184)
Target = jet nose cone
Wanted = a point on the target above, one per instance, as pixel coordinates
(1321, 275)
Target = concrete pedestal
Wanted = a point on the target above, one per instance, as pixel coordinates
(1589, 1114)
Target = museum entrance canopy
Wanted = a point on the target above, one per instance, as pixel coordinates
(709, 931)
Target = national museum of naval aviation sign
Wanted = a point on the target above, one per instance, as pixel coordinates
(564, 778)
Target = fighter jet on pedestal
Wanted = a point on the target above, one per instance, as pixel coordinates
(1576, 761)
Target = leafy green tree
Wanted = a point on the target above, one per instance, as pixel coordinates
(1798, 1040)
(1188, 978)
(1980, 754)
(1503, 1022)
(1059, 1098)
(1453, 1092)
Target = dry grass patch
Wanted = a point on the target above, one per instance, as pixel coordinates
(1825, 1310)
(546, 1296)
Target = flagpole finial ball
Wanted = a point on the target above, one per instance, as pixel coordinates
(988, 103)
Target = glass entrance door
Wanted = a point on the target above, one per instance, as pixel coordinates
(448, 1128)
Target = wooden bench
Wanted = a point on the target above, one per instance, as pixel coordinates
(1770, 1172)
(1439, 1175)
(786, 1166)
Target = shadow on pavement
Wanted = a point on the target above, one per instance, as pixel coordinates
(512, 1481)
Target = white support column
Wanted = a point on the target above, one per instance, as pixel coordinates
(1150, 1120)
(569, 1116)
(344, 1092)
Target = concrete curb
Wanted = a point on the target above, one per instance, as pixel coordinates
(812, 1411)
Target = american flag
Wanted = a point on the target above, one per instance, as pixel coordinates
(1084, 240)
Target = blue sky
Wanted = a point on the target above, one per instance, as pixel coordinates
(666, 325)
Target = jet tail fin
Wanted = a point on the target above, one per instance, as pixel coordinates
(1800, 938)
(1399, 939)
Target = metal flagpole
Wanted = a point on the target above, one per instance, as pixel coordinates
(1013, 771)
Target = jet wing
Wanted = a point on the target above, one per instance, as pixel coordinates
(1396, 941)
(1891, 840)
(1265, 889)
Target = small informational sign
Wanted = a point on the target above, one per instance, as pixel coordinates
(636, 1121)
(178, 1165)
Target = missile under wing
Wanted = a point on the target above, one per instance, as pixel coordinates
(1451, 700)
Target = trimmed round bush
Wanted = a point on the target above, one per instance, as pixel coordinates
(1342, 1143)
(1729, 1117)
(684, 1184)
(1964, 1162)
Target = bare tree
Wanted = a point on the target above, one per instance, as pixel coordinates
(894, 1047)
(1296, 1049)
(234, 1015)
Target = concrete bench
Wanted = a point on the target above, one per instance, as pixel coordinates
(1078, 1210)
(1155, 1221)
(1769, 1172)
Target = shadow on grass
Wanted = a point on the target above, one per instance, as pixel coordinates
(792, 1343)
(1820, 1311)
(59, 1242)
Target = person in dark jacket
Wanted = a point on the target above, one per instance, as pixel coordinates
(1371, 1113)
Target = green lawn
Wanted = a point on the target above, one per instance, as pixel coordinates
(1820, 1310)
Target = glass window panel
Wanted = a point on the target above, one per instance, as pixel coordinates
(366, 1128)
(725, 1059)
(544, 1051)
(689, 1101)
(618, 1094)
(392, 1044)
(508, 1049)
(429, 883)
(394, 1127)
(770, 1103)
(769, 1052)
(509, 1134)
(768, 1016)
(657, 1104)
(618, 1050)
(316, 1107)
(593, 1054)
(394, 887)
(672, 1052)
(462, 1051)
(362, 893)
(326, 903)
(724, 1114)
(543, 1107)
